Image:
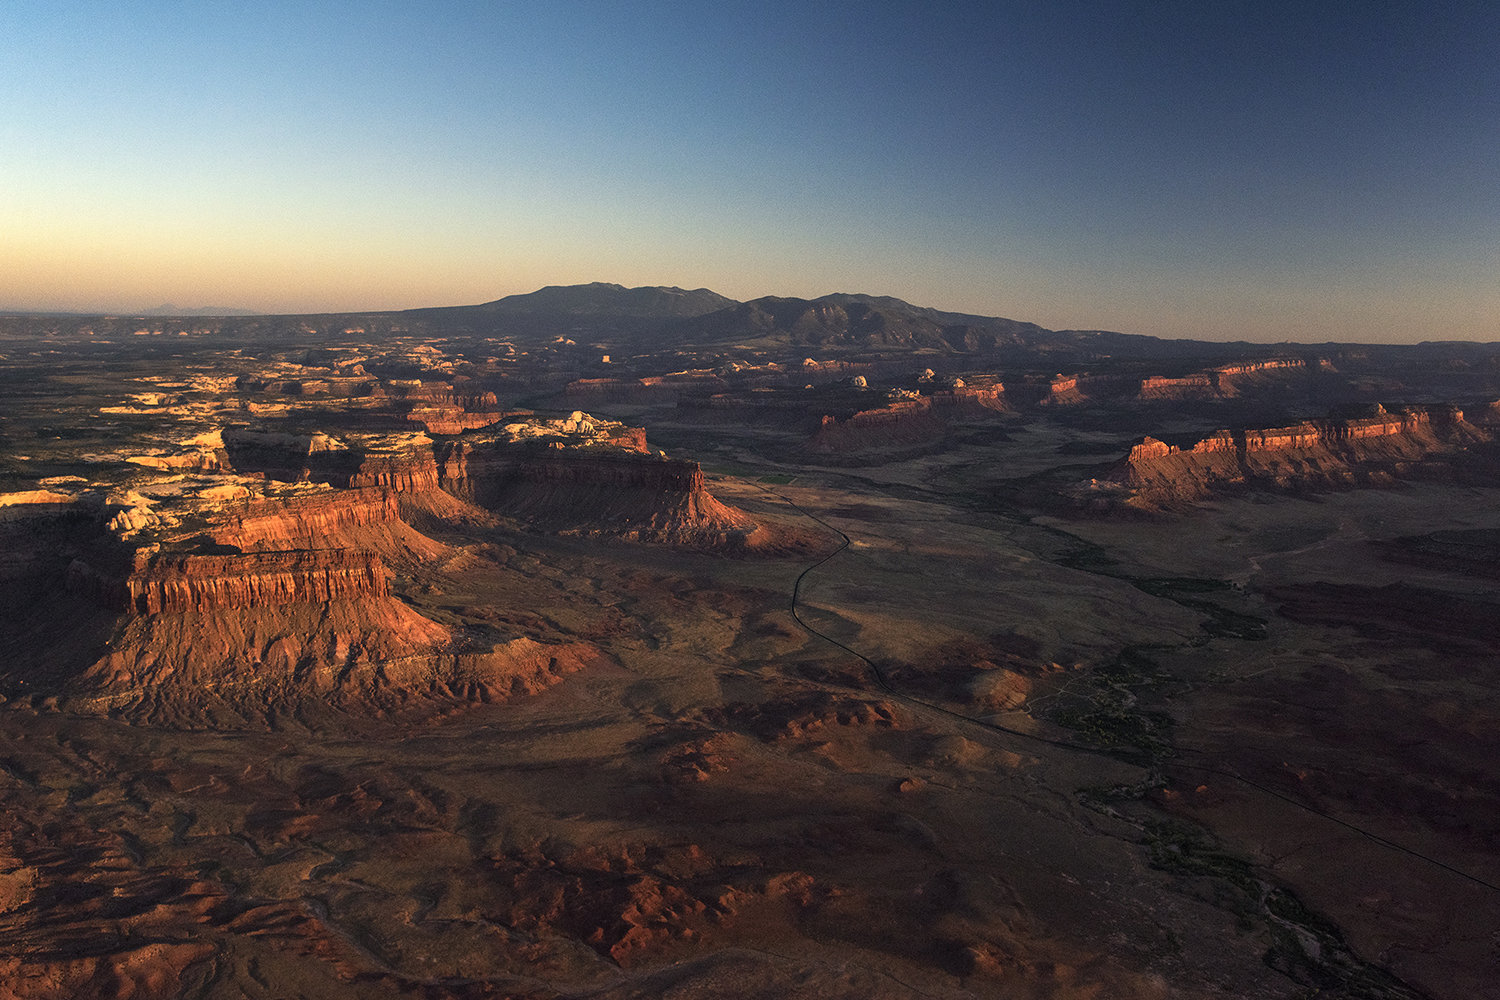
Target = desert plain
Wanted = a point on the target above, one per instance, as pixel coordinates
(798, 656)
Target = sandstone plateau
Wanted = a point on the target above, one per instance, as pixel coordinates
(1311, 456)
(802, 648)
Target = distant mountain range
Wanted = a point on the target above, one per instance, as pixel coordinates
(604, 299)
(702, 318)
(652, 318)
(655, 316)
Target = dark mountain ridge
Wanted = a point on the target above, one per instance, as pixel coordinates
(842, 320)
(602, 298)
(664, 317)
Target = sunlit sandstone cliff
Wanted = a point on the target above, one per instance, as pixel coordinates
(902, 423)
(575, 462)
(177, 583)
(201, 607)
(1314, 455)
(1225, 381)
(652, 389)
(970, 400)
(597, 492)
(233, 595)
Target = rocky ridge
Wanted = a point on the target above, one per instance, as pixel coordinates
(1314, 455)
(899, 423)
(197, 607)
(236, 593)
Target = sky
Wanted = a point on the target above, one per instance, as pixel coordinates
(1264, 171)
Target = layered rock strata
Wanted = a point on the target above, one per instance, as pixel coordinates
(597, 492)
(174, 584)
(971, 400)
(900, 424)
(450, 420)
(1159, 388)
(289, 611)
(659, 389)
(1313, 455)
(1223, 382)
(1064, 391)
(367, 519)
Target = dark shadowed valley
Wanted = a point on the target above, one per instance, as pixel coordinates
(626, 643)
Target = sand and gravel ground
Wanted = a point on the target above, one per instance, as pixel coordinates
(1005, 762)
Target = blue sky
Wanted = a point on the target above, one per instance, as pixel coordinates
(1266, 171)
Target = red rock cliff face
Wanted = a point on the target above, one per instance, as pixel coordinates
(614, 473)
(1065, 391)
(415, 479)
(237, 638)
(451, 419)
(474, 472)
(444, 410)
(1224, 382)
(440, 395)
(314, 549)
(1234, 380)
(818, 372)
(595, 491)
(320, 520)
(972, 401)
(629, 439)
(369, 519)
(406, 472)
(1191, 387)
(903, 423)
(1313, 455)
(174, 584)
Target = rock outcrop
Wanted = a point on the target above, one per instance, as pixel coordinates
(412, 470)
(597, 492)
(1064, 391)
(1225, 381)
(970, 401)
(659, 389)
(451, 419)
(402, 464)
(276, 606)
(444, 409)
(177, 583)
(368, 519)
(239, 665)
(900, 424)
(1315, 455)
(1162, 388)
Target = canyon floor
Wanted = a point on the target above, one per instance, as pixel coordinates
(949, 738)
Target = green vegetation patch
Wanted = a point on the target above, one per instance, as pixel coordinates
(1183, 850)
(1222, 622)
(1171, 587)
(1304, 946)
(1109, 714)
